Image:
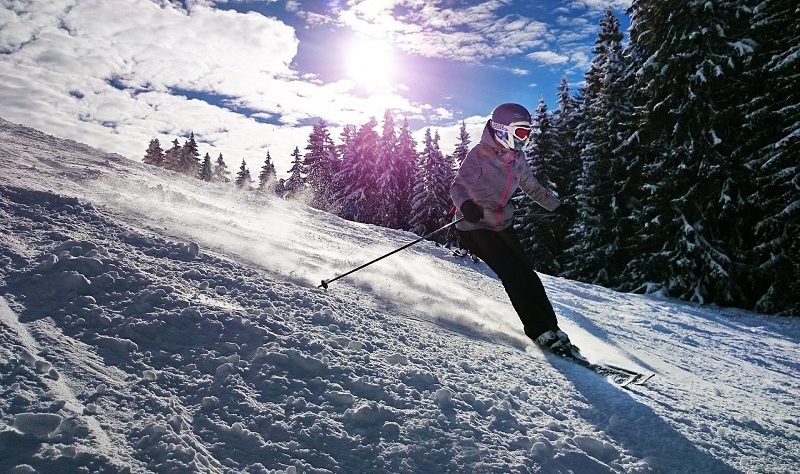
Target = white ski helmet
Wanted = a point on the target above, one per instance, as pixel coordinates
(511, 124)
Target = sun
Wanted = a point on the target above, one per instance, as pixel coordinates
(371, 63)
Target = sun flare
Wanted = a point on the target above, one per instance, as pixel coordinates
(371, 63)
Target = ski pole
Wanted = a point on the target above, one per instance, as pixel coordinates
(325, 283)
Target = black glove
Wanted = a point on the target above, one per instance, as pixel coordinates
(567, 210)
(472, 212)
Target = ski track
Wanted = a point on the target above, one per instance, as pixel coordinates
(124, 349)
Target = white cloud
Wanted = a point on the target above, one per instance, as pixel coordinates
(598, 5)
(315, 19)
(106, 72)
(466, 34)
(581, 59)
(548, 57)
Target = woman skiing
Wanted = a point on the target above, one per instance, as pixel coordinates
(482, 192)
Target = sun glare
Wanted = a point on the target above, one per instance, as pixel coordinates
(370, 63)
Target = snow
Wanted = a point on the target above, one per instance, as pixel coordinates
(37, 424)
(151, 323)
(715, 140)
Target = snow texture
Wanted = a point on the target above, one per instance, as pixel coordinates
(153, 323)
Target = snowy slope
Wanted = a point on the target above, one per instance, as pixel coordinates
(154, 324)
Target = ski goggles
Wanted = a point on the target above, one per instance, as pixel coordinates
(519, 130)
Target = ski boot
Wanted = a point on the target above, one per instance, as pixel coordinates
(557, 342)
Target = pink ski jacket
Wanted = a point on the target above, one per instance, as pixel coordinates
(489, 176)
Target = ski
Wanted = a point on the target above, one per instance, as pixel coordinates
(620, 376)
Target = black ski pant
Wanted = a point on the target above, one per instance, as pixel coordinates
(503, 252)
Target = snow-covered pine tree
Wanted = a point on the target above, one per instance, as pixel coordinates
(689, 239)
(565, 121)
(366, 144)
(344, 175)
(462, 147)
(444, 173)
(189, 162)
(268, 178)
(426, 206)
(221, 173)
(636, 150)
(321, 165)
(543, 148)
(388, 175)
(154, 154)
(772, 154)
(597, 255)
(172, 157)
(541, 232)
(357, 180)
(297, 175)
(243, 178)
(205, 172)
(407, 158)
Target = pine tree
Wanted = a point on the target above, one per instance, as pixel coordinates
(638, 148)
(297, 181)
(243, 178)
(154, 154)
(388, 175)
(443, 175)
(597, 254)
(689, 242)
(771, 152)
(462, 147)
(543, 149)
(540, 231)
(221, 173)
(172, 157)
(431, 197)
(565, 122)
(321, 163)
(344, 175)
(205, 173)
(421, 198)
(357, 179)
(268, 178)
(189, 158)
(406, 165)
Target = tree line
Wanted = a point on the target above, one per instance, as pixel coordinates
(371, 177)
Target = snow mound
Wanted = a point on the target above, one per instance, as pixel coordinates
(37, 424)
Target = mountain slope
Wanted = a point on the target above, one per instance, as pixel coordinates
(155, 324)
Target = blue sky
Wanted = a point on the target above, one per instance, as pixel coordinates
(252, 76)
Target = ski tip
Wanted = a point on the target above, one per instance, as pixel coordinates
(636, 379)
(644, 379)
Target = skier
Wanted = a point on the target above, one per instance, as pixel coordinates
(482, 192)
